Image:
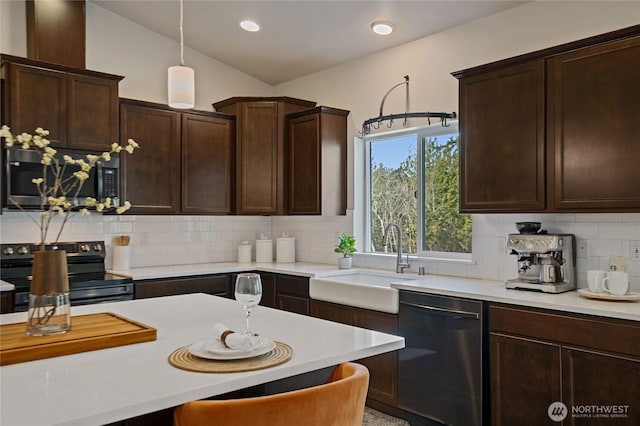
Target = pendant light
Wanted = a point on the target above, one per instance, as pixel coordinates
(181, 79)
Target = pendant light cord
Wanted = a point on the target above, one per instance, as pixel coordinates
(181, 36)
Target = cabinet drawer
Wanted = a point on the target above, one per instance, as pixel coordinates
(599, 333)
(219, 285)
(298, 286)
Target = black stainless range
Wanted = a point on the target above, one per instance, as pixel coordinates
(88, 280)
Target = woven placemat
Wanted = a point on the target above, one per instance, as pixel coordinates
(182, 358)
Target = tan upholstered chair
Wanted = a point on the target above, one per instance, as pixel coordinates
(338, 402)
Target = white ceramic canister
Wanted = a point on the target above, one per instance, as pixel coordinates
(244, 252)
(264, 251)
(121, 258)
(285, 249)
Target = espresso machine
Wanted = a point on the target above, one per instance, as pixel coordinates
(546, 262)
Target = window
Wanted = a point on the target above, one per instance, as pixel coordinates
(412, 180)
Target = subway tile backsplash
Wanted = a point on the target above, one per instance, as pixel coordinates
(161, 240)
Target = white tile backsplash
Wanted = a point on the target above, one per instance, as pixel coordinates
(161, 240)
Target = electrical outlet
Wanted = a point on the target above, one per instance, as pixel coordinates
(581, 247)
(634, 251)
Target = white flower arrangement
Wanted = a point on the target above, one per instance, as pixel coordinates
(55, 196)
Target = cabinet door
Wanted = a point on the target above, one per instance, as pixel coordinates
(257, 159)
(598, 379)
(206, 164)
(38, 98)
(93, 113)
(317, 162)
(383, 380)
(502, 140)
(6, 301)
(268, 290)
(304, 165)
(593, 126)
(525, 380)
(151, 176)
(292, 294)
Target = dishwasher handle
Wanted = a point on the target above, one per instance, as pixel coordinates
(452, 313)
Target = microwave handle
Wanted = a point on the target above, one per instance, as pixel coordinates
(99, 182)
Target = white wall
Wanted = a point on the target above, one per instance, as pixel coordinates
(118, 46)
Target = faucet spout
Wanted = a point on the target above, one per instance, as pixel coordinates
(400, 265)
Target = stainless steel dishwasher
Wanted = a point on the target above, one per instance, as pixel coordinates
(442, 374)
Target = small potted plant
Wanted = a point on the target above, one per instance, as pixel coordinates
(346, 246)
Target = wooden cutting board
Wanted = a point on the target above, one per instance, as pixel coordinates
(88, 333)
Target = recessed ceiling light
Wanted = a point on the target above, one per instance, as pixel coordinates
(382, 27)
(250, 26)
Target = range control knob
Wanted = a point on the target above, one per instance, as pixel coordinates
(23, 250)
(97, 247)
(84, 248)
(8, 251)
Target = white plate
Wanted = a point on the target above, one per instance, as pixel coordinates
(608, 296)
(213, 348)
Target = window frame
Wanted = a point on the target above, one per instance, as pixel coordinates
(420, 133)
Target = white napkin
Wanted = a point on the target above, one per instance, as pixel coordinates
(235, 340)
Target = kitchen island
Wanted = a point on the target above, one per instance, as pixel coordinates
(113, 384)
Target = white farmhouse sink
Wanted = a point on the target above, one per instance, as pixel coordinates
(360, 288)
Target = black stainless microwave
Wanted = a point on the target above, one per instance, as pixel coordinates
(22, 166)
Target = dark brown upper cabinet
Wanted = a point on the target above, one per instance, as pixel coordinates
(261, 151)
(56, 31)
(502, 154)
(594, 132)
(318, 161)
(78, 107)
(555, 130)
(207, 162)
(185, 160)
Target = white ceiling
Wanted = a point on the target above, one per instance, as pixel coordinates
(297, 37)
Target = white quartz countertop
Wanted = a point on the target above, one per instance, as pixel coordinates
(109, 385)
(158, 272)
(5, 286)
(492, 291)
(495, 291)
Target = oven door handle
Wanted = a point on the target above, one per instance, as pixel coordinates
(452, 313)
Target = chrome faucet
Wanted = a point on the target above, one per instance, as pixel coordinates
(400, 265)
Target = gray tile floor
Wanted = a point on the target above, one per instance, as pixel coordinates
(376, 418)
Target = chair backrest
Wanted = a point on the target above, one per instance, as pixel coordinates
(339, 402)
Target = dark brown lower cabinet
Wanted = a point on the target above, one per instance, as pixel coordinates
(525, 379)
(538, 357)
(217, 285)
(292, 294)
(383, 368)
(6, 302)
(598, 379)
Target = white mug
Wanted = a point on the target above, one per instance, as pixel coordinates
(594, 279)
(616, 283)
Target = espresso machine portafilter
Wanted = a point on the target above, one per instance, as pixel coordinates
(546, 262)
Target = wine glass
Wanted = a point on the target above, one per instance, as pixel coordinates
(248, 293)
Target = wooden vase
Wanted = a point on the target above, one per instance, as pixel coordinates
(49, 303)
